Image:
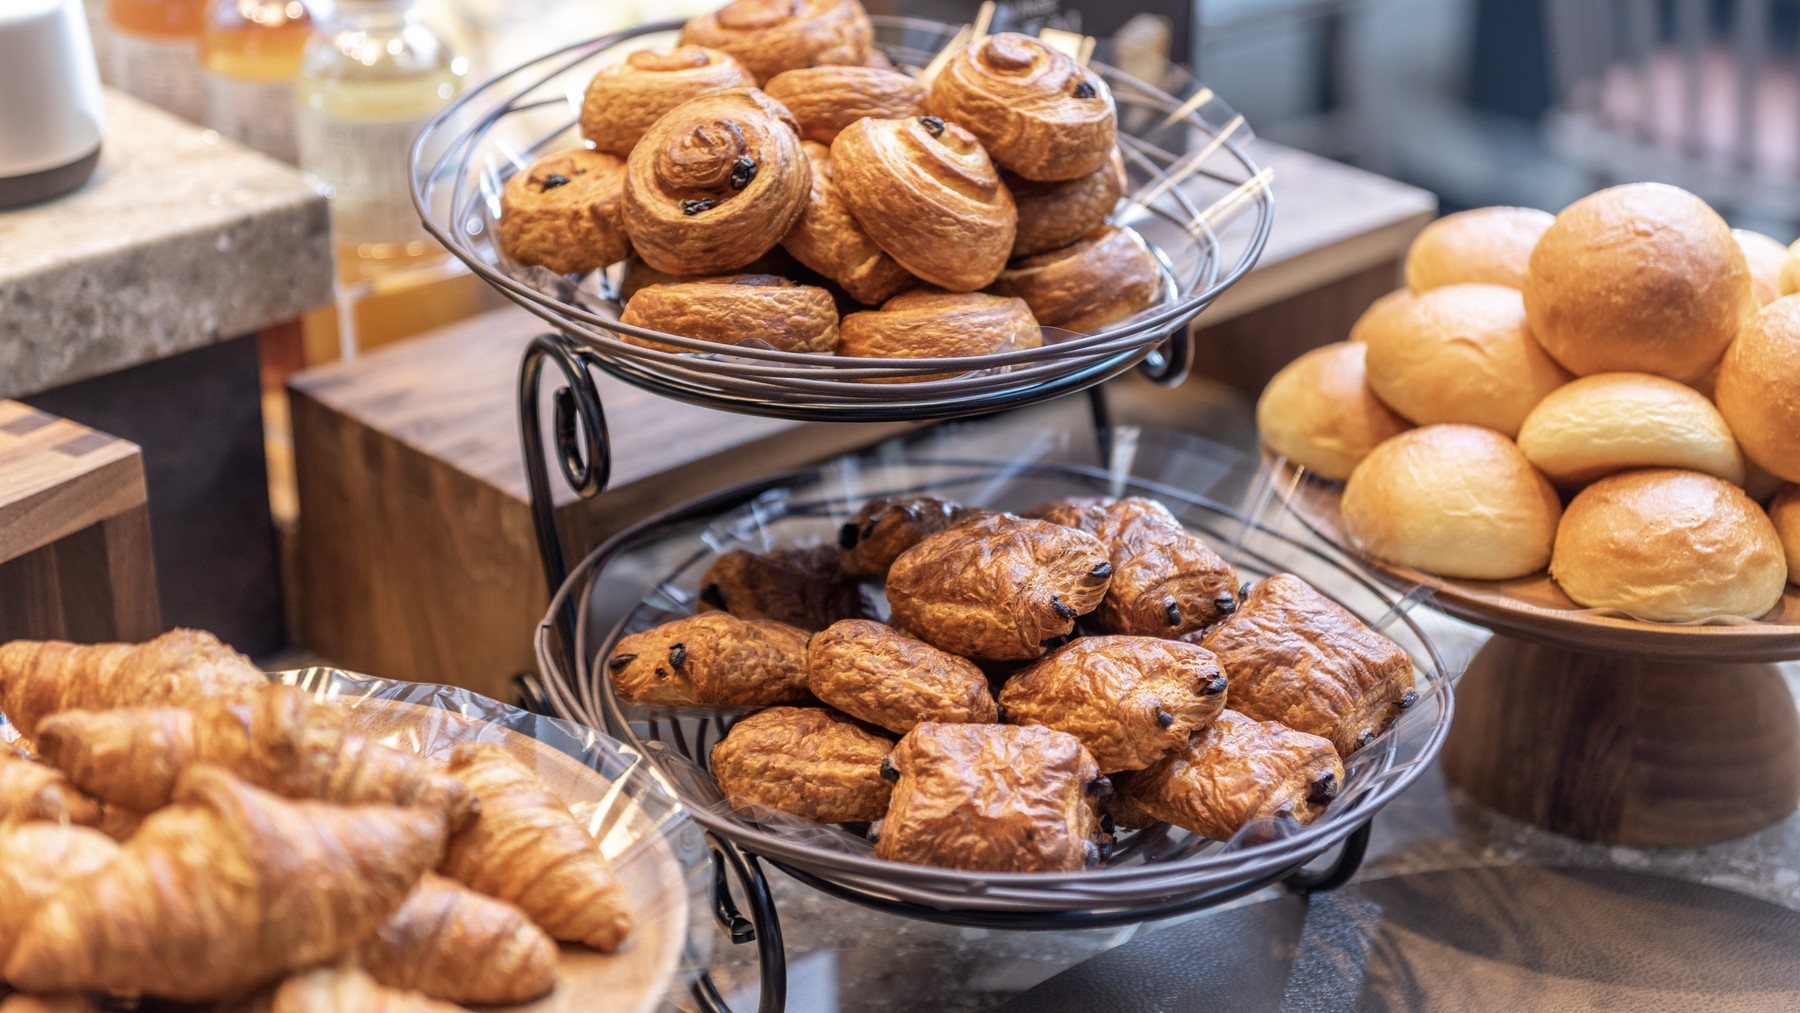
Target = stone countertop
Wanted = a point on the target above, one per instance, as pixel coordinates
(181, 239)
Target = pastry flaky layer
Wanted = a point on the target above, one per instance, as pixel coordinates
(928, 324)
(809, 761)
(715, 183)
(624, 99)
(782, 314)
(1165, 582)
(1054, 214)
(884, 528)
(874, 672)
(712, 659)
(1004, 798)
(806, 588)
(770, 36)
(565, 212)
(1038, 112)
(826, 99)
(827, 238)
(1106, 276)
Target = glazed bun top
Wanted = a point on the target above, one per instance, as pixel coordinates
(1616, 421)
(1765, 257)
(1485, 245)
(1319, 412)
(1758, 390)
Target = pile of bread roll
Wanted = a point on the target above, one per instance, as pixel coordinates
(1612, 393)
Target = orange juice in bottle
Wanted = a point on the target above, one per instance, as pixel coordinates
(250, 50)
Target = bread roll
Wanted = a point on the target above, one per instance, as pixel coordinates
(1485, 245)
(1638, 278)
(1461, 353)
(1459, 501)
(1376, 315)
(1765, 257)
(1319, 412)
(1669, 546)
(1758, 390)
(1614, 421)
(1789, 282)
(1784, 510)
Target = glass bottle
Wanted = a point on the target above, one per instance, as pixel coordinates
(153, 47)
(250, 50)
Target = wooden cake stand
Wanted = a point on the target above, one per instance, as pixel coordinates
(1603, 727)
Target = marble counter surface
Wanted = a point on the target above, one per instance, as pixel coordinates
(180, 240)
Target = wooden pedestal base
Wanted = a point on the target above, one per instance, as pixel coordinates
(1624, 751)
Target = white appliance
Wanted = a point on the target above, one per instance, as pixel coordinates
(50, 119)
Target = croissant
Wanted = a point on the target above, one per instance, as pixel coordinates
(452, 943)
(884, 528)
(712, 659)
(926, 192)
(1037, 111)
(825, 100)
(622, 100)
(1166, 582)
(527, 850)
(715, 183)
(780, 313)
(827, 239)
(809, 761)
(874, 672)
(32, 792)
(806, 588)
(770, 36)
(343, 989)
(1106, 276)
(565, 212)
(36, 859)
(1053, 215)
(40, 677)
(227, 889)
(928, 324)
(278, 739)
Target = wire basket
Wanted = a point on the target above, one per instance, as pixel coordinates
(1194, 195)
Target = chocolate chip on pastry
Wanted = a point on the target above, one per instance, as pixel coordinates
(1053, 215)
(713, 659)
(1166, 582)
(876, 673)
(827, 238)
(1237, 770)
(624, 99)
(1037, 111)
(884, 528)
(564, 212)
(1002, 798)
(1106, 276)
(781, 313)
(928, 324)
(998, 586)
(926, 192)
(1297, 657)
(770, 36)
(1128, 699)
(715, 183)
(809, 761)
(806, 588)
(825, 100)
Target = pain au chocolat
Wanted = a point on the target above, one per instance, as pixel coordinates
(770, 36)
(565, 212)
(807, 588)
(874, 672)
(1166, 582)
(713, 659)
(884, 528)
(1038, 112)
(783, 314)
(622, 100)
(808, 761)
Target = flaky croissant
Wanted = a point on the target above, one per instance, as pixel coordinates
(712, 659)
(452, 943)
(36, 859)
(342, 989)
(565, 212)
(826, 99)
(31, 792)
(928, 324)
(874, 672)
(623, 99)
(1037, 111)
(776, 311)
(1106, 276)
(809, 761)
(770, 36)
(828, 239)
(1166, 581)
(1052, 215)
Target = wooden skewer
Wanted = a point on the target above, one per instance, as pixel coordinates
(964, 36)
(1075, 45)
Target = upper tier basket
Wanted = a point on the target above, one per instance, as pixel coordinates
(1194, 195)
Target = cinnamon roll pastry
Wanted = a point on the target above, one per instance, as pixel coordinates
(1128, 699)
(827, 238)
(713, 659)
(806, 588)
(1001, 798)
(624, 99)
(564, 212)
(997, 587)
(1053, 215)
(876, 673)
(1037, 111)
(1166, 582)
(784, 314)
(1297, 657)
(825, 100)
(886, 527)
(926, 192)
(638, 275)
(809, 761)
(929, 324)
(1237, 770)
(1107, 275)
(770, 36)
(715, 183)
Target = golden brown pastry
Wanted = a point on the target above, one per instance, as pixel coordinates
(884, 528)
(36, 859)
(1297, 657)
(827, 238)
(780, 313)
(1379, 314)
(770, 36)
(1611, 422)
(452, 943)
(715, 183)
(1107, 275)
(1765, 257)
(1004, 798)
(1165, 581)
(998, 586)
(1488, 246)
(929, 324)
(1237, 770)
(1052, 215)
(806, 588)
(565, 212)
(826, 99)
(636, 274)
(1784, 511)
(712, 659)
(1759, 389)
(623, 99)
(874, 672)
(1128, 699)
(66, 1003)
(809, 761)
(1319, 412)
(1037, 111)
(926, 192)
(342, 989)
(30, 792)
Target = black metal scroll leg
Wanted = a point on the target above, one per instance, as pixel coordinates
(1350, 857)
(1102, 421)
(578, 426)
(763, 926)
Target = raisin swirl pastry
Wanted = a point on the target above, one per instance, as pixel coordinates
(770, 36)
(1108, 275)
(564, 212)
(1000, 798)
(713, 659)
(715, 183)
(1297, 657)
(808, 761)
(827, 239)
(884, 528)
(782, 313)
(801, 587)
(998, 586)
(1128, 699)
(1037, 111)
(638, 275)
(926, 192)
(825, 100)
(1166, 582)
(1053, 215)
(929, 324)
(874, 672)
(624, 99)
